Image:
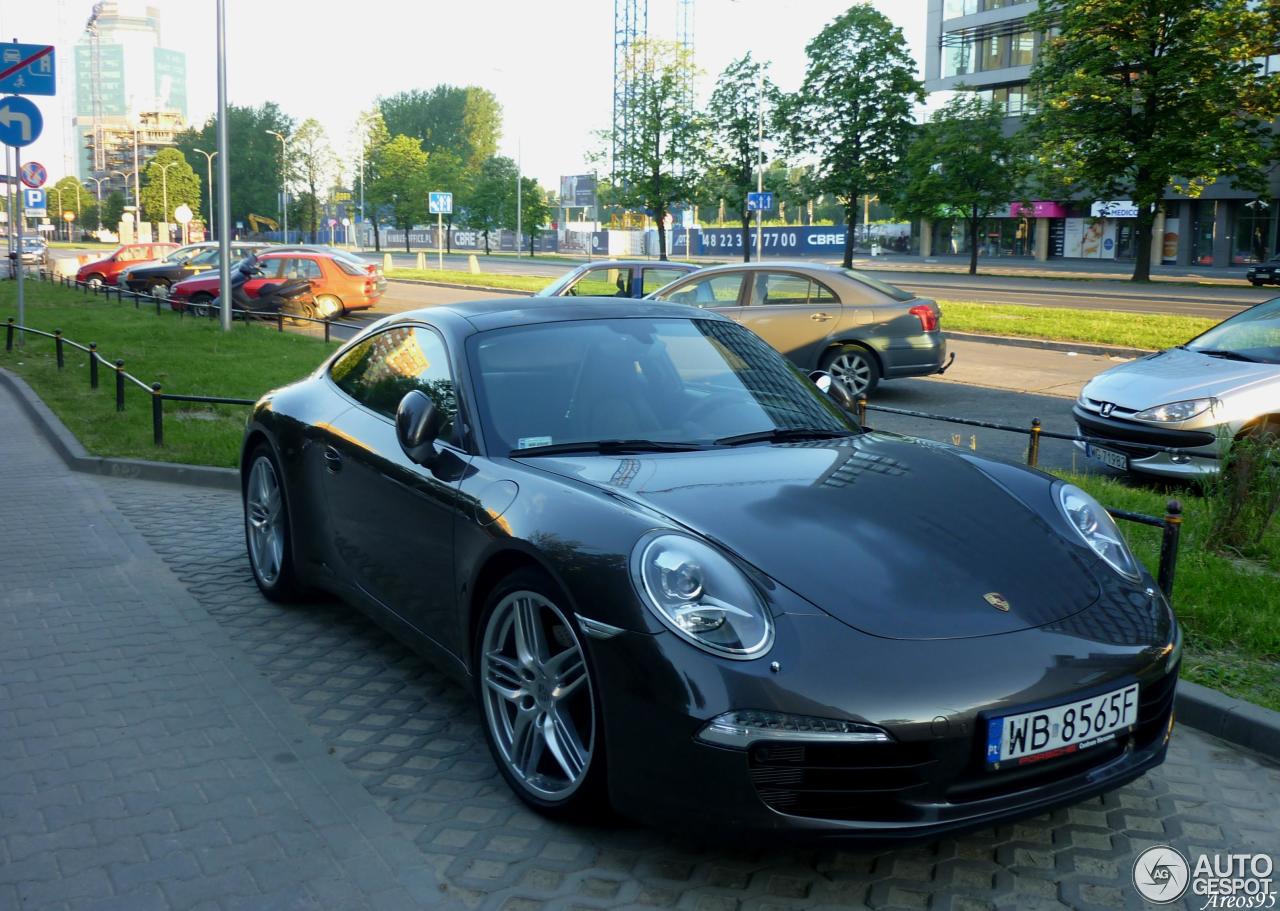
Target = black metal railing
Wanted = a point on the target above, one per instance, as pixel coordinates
(1170, 523)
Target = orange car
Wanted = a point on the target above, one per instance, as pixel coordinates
(104, 271)
(340, 282)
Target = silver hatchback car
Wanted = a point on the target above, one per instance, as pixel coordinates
(1197, 397)
(858, 329)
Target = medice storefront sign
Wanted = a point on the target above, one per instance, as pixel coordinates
(1115, 208)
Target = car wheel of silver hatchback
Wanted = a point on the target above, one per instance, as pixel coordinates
(539, 699)
(854, 368)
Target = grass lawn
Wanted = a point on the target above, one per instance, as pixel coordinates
(482, 280)
(190, 356)
(1107, 327)
(1230, 609)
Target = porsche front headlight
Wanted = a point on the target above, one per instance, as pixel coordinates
(1097, 529)
(1174, 412)
(701, 596)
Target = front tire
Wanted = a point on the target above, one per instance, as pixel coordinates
(854, 368)
(159, 289)
(328, 306)
(267, 530)
(539, 698)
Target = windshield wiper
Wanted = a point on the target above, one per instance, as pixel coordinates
(607, 447)
(783, 435)
(1228, 355)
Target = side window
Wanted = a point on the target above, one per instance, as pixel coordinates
(657, 278)
(382, 369)
(774, 288)
(712, 291)
(273, 268)
(603, 282)
(308, 268)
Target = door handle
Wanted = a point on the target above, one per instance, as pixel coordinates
(819, 317)
(332, 459)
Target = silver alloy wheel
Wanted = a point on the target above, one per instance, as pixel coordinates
(160, 290)
(264, 515)
(538, 701)
(852, 371)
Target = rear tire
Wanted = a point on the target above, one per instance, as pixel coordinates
(853, 367)
(159, 289)
(95, 281)
(200, 304)
(268, 536)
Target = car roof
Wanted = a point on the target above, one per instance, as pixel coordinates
(659, 263)
(501, 313)
(776, 264)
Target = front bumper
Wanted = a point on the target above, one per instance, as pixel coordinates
(931, 696)
(1198, 449)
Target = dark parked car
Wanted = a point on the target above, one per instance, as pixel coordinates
(158, 278)
(859, 329)
(1267, 273)
(617, 278)
(680, 579)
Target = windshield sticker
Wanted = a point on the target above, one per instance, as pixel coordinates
(530, 442)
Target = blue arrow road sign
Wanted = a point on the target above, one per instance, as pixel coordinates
(760, 202)
(27, 69)
(20, 121)
(440, 203)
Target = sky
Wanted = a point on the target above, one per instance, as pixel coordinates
(549, 62)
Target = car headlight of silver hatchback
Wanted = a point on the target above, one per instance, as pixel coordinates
(1174, 412)
(699, 594)
(1097, 529)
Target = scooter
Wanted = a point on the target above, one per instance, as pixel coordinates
(292, 297)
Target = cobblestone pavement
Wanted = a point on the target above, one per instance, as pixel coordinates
(411, 737)
(144, 764)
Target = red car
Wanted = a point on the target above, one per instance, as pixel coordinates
(104, 271)
(340, 282)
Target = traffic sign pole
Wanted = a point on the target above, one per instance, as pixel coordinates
(440, 240)
(22, 301)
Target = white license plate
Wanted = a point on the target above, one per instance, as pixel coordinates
(1107, 456)
(1061, 730)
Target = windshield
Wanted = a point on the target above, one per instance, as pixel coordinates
(669, 380)
(182, 254)
(1253, 335)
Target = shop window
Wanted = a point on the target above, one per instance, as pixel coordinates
(1252, 236)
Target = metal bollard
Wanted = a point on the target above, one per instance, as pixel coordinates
(57, 346)
(93, 365)
(157, 415)
(1169, 547)
(1033, 448)
(8, 335)
(119, 385)
(861, 410)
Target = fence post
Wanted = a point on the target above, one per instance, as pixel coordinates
(93, 365)
(157, 305)
(57, 346)
(861, 410)
(1033, 447)
(8, 335)
(157, 415)
(119, 385)
(1169, 547)
(136, 302)
(326, 330)
(279, 320)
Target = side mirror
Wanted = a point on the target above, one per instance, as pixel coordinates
(418, 423)
(828, 386)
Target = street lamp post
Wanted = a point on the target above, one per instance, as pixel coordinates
(284, 181)
(209, 156)
(126, 175)
(224, 187)
(58, 190)
(164, 195)
(137, 175)
(98, 181)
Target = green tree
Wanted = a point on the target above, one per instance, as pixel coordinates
(371, 136)
(169, 176)
(535, 211)
(660, 159)
(112, 210)
(69, 195)
(401, 184)
(1135, 97)
(853, 111)
(310, 168)
(492, 202)
(253, 162)
(735, 113)
(961, 164)
(464, 120)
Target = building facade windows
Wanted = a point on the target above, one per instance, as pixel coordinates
(985, 52)
(953, 8)
(1253, 231)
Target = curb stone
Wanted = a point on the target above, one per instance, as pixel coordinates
(77, 458)
(1049, 344)
(1244, 724)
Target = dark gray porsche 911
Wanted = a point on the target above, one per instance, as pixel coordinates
(682, 581)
